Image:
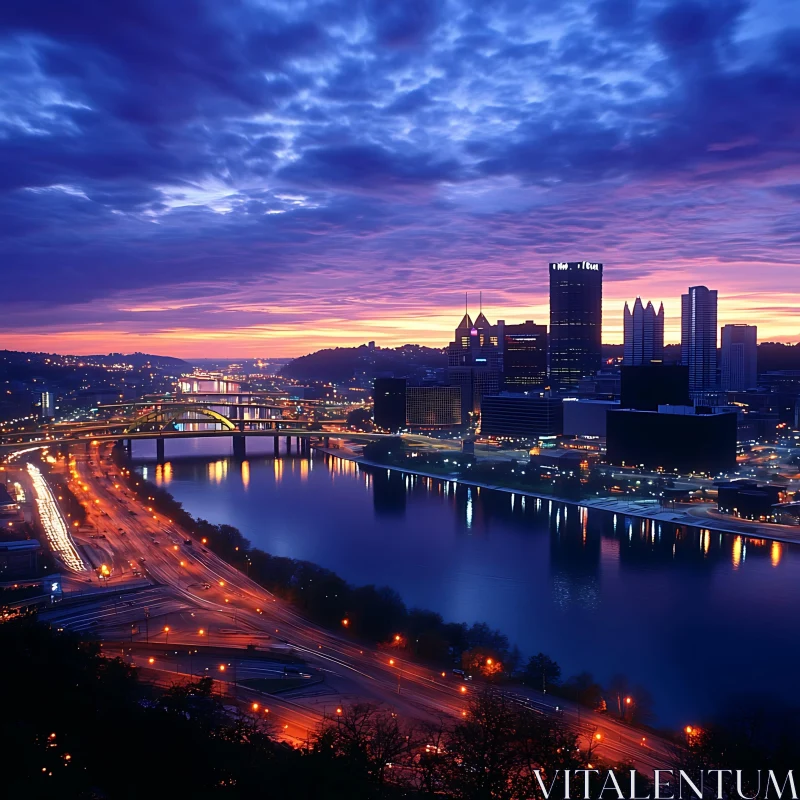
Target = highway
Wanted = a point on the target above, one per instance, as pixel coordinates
(164, 592)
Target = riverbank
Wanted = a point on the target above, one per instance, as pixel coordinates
(702, 516)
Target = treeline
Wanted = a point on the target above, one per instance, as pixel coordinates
(96, 732)
(78, 725)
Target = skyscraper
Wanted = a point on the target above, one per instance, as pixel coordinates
(524, 355)
(576, 305)
(738, 357)
(644, 334)
(699, 340)
(473, 362)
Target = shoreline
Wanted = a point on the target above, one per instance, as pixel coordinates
(640, 509)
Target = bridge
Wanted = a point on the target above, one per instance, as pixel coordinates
(235, 415)
(193, 420)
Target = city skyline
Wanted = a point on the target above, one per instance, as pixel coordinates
(269, 179)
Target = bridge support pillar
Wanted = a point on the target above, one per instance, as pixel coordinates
(240, 425)
(276, 443)
(129, 447)
(239, 449)
(159, 450)
(327, 441)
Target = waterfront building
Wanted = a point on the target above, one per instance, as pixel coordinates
(699, 341)
(521, 416)
(389, 397)
(738, 357)
(643, 334)
(433, 407)
(576, 300)
(748, 499)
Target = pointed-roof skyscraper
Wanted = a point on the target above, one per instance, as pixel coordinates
(644, 334)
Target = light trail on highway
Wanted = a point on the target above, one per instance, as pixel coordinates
(53, 522)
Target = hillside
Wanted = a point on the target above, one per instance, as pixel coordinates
(342, 364)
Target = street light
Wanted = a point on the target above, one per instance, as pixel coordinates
(166, 634)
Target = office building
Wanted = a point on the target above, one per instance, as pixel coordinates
(474, 362)
(521, 416)
(433, 407)
(646, 387)
(474, 381)
(738, 357)
(389, 396)
(576, 302)
(644, 334)
(699, 340)
(672, 438)
(48, 407)
(603, 385)
(586, 418)
(524, 356)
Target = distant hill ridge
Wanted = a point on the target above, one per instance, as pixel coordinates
(135, 359)
(340, 364)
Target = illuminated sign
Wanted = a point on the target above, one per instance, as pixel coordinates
(564, 265)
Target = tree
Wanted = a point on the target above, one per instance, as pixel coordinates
(583, 689)
(483, 661)
(369, 738)
(496, 751)
(542, 671)
(360, 418)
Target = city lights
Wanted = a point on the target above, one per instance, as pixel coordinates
(53, 523)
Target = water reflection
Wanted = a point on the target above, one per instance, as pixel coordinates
(557, 579)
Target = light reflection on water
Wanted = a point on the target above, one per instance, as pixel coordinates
(692, 615)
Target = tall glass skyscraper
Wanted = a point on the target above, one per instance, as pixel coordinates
(576, 310)
(699, 340)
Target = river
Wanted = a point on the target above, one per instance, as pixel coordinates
(697, 619)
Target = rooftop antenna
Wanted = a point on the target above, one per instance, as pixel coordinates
(466, 304)
(481, 302)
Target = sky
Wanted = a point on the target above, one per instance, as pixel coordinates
(233, 178)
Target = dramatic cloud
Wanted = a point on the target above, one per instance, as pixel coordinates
(267, 177)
